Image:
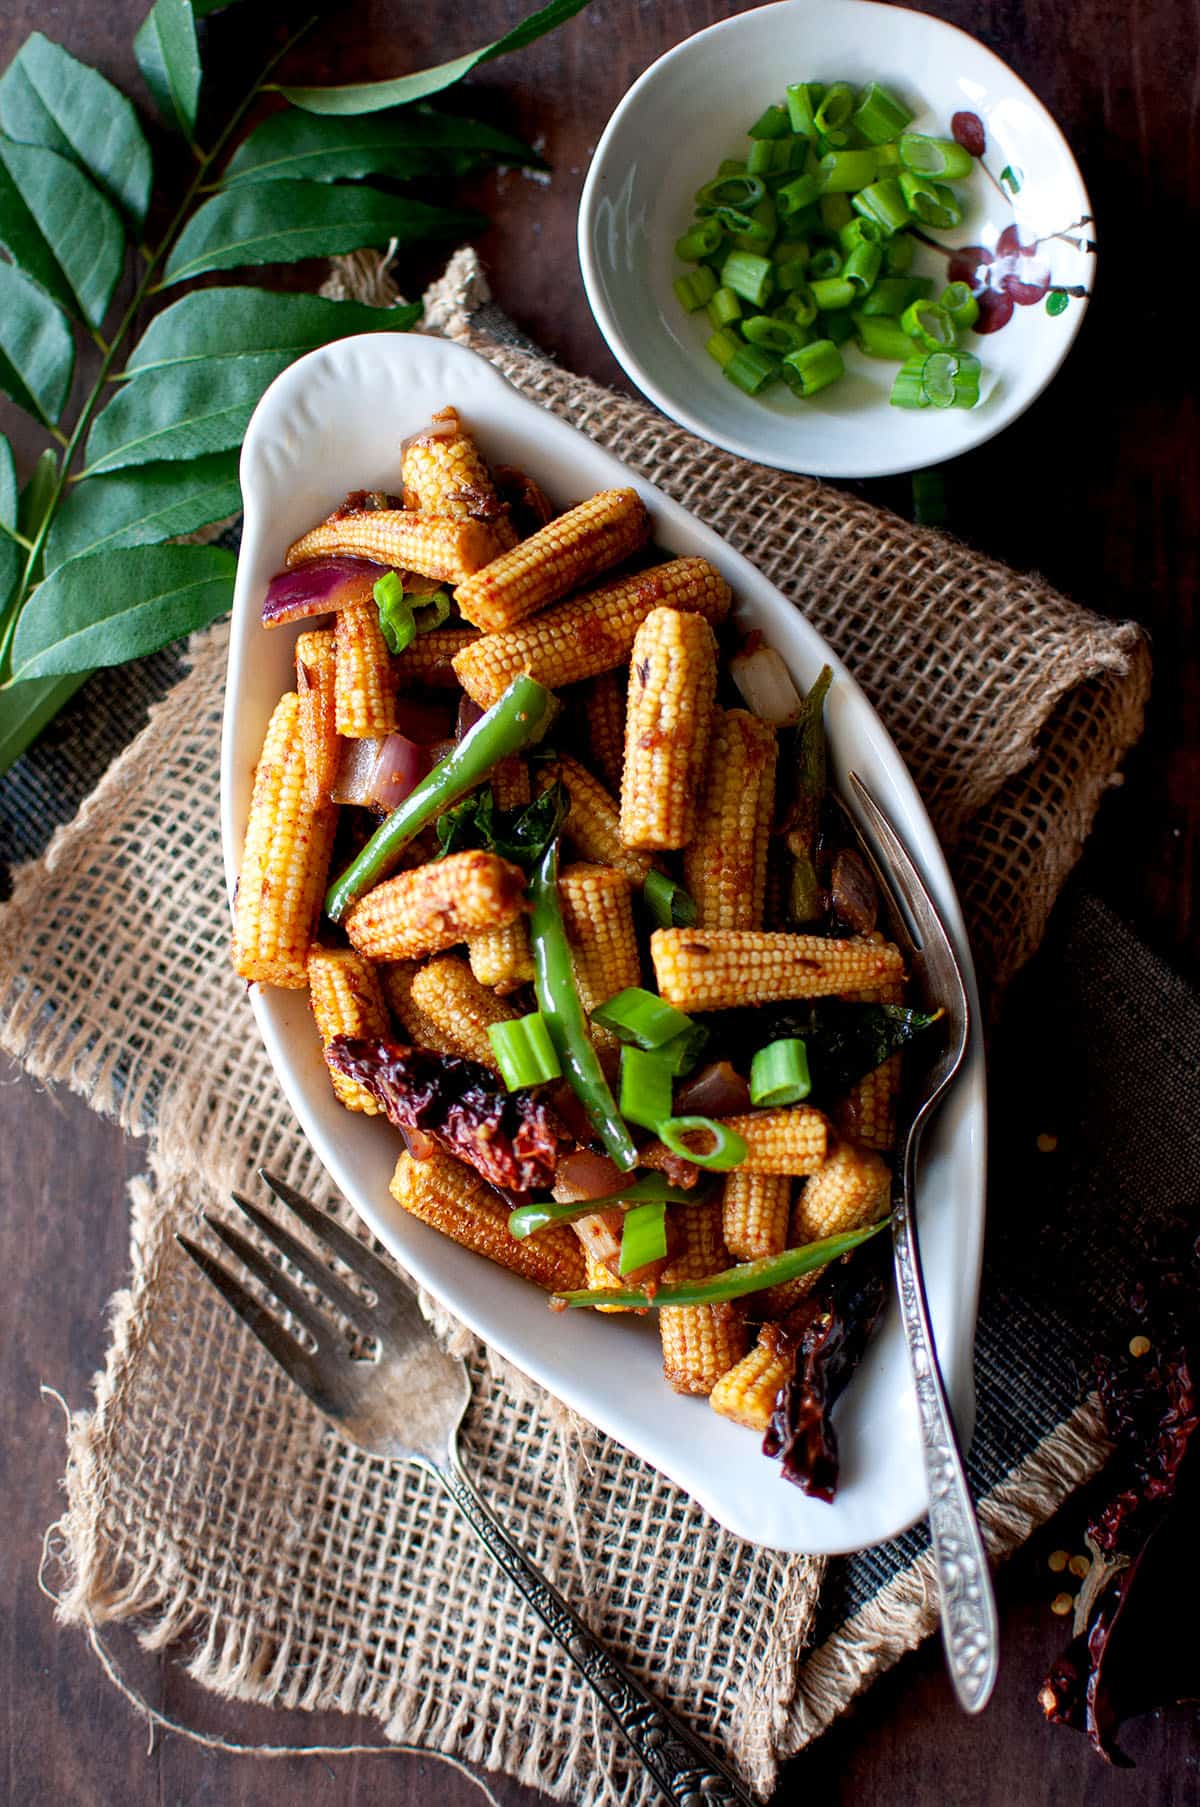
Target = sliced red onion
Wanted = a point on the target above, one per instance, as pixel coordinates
(582, 1174)
(717, 1090)
(400, 767)
(469, 713)
(355, 775)
(600, 1234)
(316, 589)
(766, 685)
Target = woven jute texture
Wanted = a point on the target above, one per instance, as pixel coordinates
(204, 1498)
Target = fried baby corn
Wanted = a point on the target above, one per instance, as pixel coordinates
(285, 859)
(754, 1213)
(430, 907)
(403, 540)
(668, 717)
(450, 997)
(364, 688)
(725, 862)
(316, 661)
(593, 824)
(699, 1342)
(444, 474)
(747, 1393)
(452, 1198)
(569, 551)
(867, 1113)
(427, 663)
(598, 917)
(604, 714)
(850, 1189)
(592, 633)
(719, 968)
(502, 958)
(346, 999)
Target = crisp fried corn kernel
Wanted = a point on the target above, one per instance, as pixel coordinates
(346, 999)
(867, 1113)
(699, 1342)
(427, 663)
(754, 1213)
(443, 473)
(447, 992)
(402, 539)
(396, 980)
(790, 1141)
(593, 824)
(285, 860)
(604, 713)
(364, 687)
(668, 719)
(849, 1190)
(598, 917)
(316, 662)
(747, 1393)
(502, 958)
(591, 633)
(431, 907)
(725, 863)
(453, 1198)
(569, 551)
(715, 969)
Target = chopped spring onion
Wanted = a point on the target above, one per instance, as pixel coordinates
(898, 253)
(938, 379)
(771, 124)
(668, 903)
(652, 1189)
(751, 369)
(813, 368)
(943, 157)
(773, 335)
(749, 276)
(722, 345)
(884, 202)
(728, 1149)
(826, 261)
(845, 172)
(929, 325)
(701, 241)
(892, 294)
(882, 336)
(932, 202)
(724, 308)
(642, 1019)
(837, 326)
(396, 621)
(524, 1052)
(802, 306)
(801, 192)
(862, 267)
(833, 292)
(779, 1074)
(803, 99)
(643, 1237)
(696, 289)
(733, 1282)
(645, 1096)
(835, 108)
(741, 191)
(834, 211)
(858, 230)
(879, 116)
(960, 304)
(432, 611)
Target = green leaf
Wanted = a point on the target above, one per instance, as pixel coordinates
(282, 222)
(116, 606)
(11, 555)
(37, 351)
(372, 97)
(403, 143)
(27, 708)
(221, 323)
(60, 228)
(181, 411)
(143, 506)
(169, 59)
(48, 97)
(38, 493)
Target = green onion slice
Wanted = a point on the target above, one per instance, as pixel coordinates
(432, 611)
(643, 1237)
(929, 324)
(734, 1282)
(642, 1019)
(669, 904)
(728, 1149)
(524, 1051)
(741, 191)
(645, 1087)
(879, 116)
(396, 621)
(779, 1074)
(653, 1188)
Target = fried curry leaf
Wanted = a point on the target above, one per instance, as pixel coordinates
(521, 835)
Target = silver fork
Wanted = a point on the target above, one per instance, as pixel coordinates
(968, 1605)
(405, 1402)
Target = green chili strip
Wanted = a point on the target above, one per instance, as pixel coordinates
(808, 791)
(520, 718)
(653, 1188)
(558, 1001)
(733, 1282)
(643, 1237)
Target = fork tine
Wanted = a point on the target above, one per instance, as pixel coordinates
(348, 1248)
(904, 880)
(283, 1348)
(290, 1296)
(311, 1266)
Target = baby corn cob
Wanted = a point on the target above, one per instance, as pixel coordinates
(672, 683)
(604, 708)
(346, 999)
(699, 1342)
(364, 687)
(754, 1213)
(599, 1278)
(785, 1141)
(444, 474)
(447, 992)
(396, 982)
(431, 907)
(725, 863)
(510, 783)
(591, 633)
(453, 1199)
(284, 860)
(593, 823)
(850, 1190)
(428, 661)
(558, 558)
(867, 1113)
(747, 1394)
(599, 921)
(403, 540)
(502, 958)
(316, 662)
(719, 968)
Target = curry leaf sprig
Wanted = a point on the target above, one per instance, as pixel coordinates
(91, 571)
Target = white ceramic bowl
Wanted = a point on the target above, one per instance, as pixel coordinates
(692, 108)
(332, 422)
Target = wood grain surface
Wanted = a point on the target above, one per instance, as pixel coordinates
(1096, 487)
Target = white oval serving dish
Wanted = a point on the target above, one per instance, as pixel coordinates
(692, 107)
(334, 422)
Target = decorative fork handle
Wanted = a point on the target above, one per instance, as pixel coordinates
(968, 1605)
(685, 1771)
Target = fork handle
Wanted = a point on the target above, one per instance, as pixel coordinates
(685, 1771)
(968, 1604)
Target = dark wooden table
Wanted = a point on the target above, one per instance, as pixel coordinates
(1096, 486)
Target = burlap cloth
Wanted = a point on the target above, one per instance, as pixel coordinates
(209, 1503)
